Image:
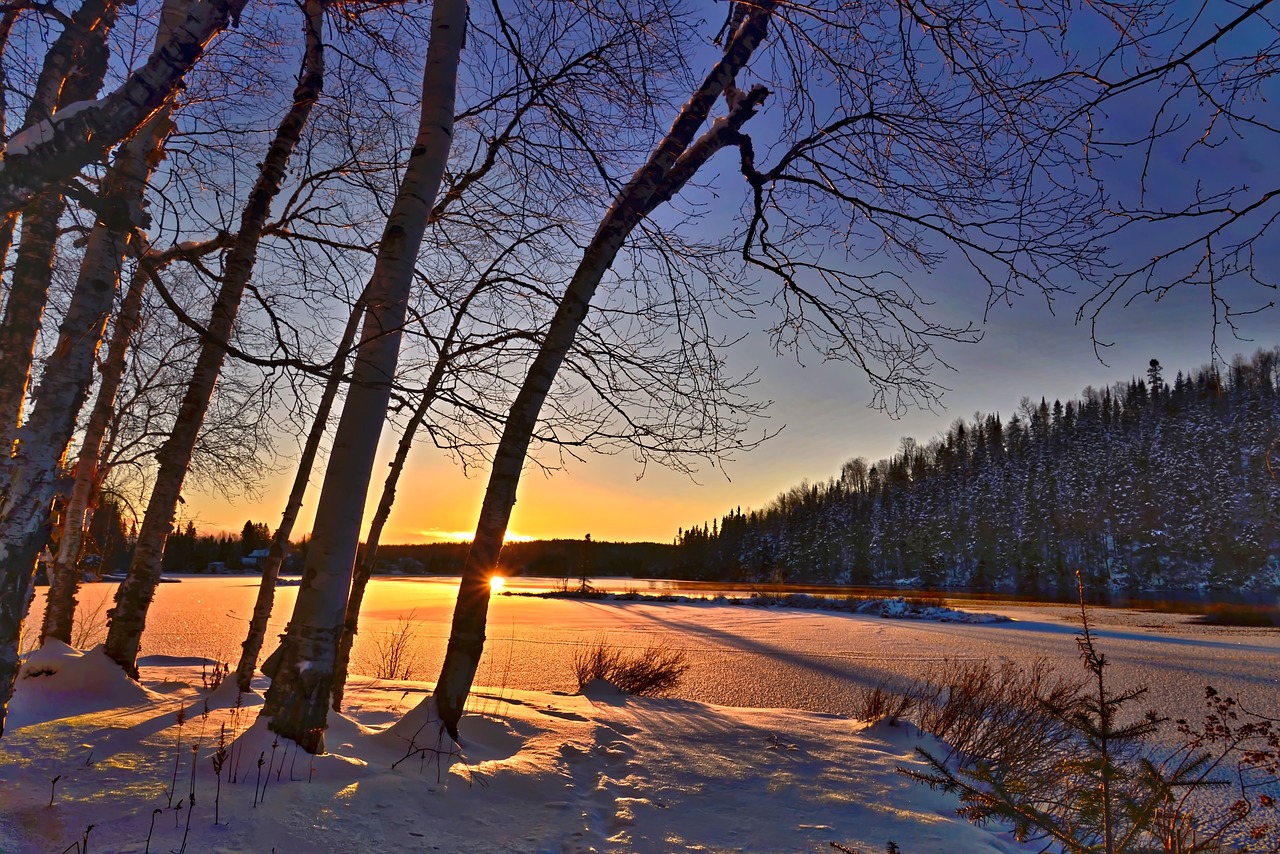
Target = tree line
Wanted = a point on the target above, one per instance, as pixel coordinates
(1149, 484)
(239, 236)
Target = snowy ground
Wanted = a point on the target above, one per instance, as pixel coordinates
(538, 771)
(757, 754)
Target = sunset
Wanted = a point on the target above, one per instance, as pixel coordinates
(639, 426)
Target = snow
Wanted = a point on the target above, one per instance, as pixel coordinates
(537, 771)
(41, 132)
(56, 681)
(893, 607)
(28, 138)
(73, 108)
(757, 752)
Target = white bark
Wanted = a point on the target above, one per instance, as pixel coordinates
(133, 597)
(32, 475)
(262, 606)
(60, 602)
(66, 146)
(673, 162)
(298, 699)
(363, 572)
(124, 189)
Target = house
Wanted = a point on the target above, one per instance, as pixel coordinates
(254, 559)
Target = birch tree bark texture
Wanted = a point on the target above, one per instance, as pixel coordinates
(265, 600)
(121, 211)
(52, 150)
(134, 595)
(72, 69)
(671, 164)
(298, 700)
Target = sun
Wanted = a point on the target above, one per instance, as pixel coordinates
(496, 583)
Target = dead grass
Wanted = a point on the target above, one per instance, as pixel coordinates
(90, 626)
(392, 653)
(653, 672)
(987, 712)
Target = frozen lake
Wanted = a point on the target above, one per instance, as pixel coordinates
(740, 656)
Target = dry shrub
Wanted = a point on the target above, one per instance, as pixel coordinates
(653, 672)
(90, 626)
(884, 700)
(392, 653)
(996, 713)
(983, 711)
(1069, 763)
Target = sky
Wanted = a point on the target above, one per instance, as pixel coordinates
(820, 411)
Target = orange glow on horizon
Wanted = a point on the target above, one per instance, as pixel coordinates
(434, 535)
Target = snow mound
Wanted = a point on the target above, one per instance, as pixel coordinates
(899, 608)
(57, 681)
(601, 688)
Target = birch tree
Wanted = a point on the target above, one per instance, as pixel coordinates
(24, 519)
(89, 471)
(72, 70)
(300, 689)
(650, 186)
(263, 603)
(121, 206)
(937, 133)
(54, 149)
(133, 597)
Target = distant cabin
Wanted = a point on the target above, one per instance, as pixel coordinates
(216, 567)
(254, 559)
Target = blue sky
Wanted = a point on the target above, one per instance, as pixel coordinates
(1027, 350)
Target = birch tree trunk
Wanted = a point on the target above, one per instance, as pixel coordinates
(252, 646)
(64, 580)
(364, 571)
(134, 595)
(298, 699)
(10, 219)
(28, 293)
(122, 199)
(72, 70)
(53, 150)
(670, 166)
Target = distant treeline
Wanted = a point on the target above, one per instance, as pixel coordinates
(1145, 485)
(551, 558)
(188, 551)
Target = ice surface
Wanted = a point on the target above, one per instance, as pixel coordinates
(756, 753)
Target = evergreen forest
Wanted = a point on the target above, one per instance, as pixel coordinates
(1148, 485)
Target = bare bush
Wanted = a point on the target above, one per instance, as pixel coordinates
(654, 672)
(393, 654)
(1067, 763)
(985, 712)
(90, 627)
(884, 700)
(211, 678)
(997, 713)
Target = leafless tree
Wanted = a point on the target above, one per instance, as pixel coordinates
(1193, 103)
(942, 133)
(52, 150)
(300, 689)
(135, 593)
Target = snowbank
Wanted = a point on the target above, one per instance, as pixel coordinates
(894, 607)
(536, 771)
